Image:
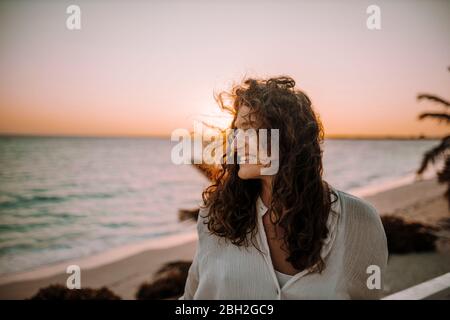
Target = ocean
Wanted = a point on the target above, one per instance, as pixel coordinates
(63, 198)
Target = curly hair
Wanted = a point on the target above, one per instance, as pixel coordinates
(301, 199)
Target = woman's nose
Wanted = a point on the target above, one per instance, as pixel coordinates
(231, 148)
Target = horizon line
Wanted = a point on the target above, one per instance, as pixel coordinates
(167, 136)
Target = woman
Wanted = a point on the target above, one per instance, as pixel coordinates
(289, 235)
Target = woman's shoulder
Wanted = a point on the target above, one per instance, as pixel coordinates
(202, 219)
(363, 224)
(362, 220)
(365, 243)
(202, 213)
(358, 209)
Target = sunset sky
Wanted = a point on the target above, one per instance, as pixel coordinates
(148, 67)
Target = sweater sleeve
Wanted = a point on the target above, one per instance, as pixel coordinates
(366, 251)
(193, 273)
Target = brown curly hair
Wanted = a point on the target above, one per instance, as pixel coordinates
(301, 199)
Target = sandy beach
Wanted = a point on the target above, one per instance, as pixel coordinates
(420, 201)
(123, 270)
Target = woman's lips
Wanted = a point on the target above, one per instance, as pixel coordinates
(250, 159)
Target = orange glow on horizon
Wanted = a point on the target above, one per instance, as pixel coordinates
(149, 68)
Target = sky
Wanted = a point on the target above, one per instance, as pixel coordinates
(150, 67)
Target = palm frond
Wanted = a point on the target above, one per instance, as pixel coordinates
(433, 98)
(431, 155)
(439, 116)
(444, 177)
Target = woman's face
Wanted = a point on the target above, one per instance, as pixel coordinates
(251, 169)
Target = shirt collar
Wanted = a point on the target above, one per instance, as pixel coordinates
(332, 221)
(260, 207)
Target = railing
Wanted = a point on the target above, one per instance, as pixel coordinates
(437, 288)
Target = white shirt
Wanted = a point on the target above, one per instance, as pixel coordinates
(282, 278)
(356, 240)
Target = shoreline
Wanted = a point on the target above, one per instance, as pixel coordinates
(124, 268)
(123, 276)
(421, 201)
(102, 258)
(389, 184)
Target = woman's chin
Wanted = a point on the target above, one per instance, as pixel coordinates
(249, 171)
